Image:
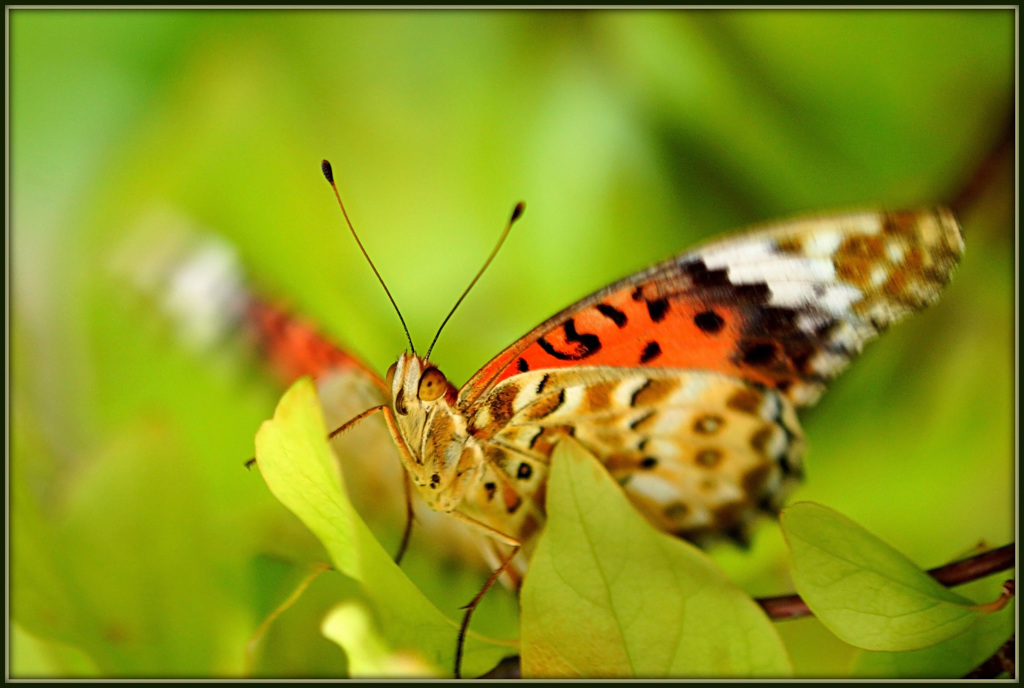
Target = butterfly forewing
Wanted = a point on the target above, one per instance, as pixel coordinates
(786, 306)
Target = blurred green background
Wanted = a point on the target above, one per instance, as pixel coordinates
(140, 547)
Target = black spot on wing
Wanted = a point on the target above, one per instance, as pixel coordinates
(650, 352)
(543, 382)
(657, 309)
(787, 466)
(638, 392)
(545, 406)
(739, 535)
(586, 344)
(759, 353)
(709, 321)
(641, 420)
(613, 314)
(522, 365)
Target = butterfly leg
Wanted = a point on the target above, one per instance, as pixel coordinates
(352, 421)
(473, 604)
(389, 419)
(409, 516)
(396, 434)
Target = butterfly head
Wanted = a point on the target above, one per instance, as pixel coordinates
(434, 433)
(417, 386)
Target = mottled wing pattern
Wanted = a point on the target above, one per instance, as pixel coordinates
(787, 306)
(699, 453)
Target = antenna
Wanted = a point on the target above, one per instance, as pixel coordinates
(517, 213)
(325, 167)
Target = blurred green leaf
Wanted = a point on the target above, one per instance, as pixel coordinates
(296, 461)
(864, 591)
(122, 527)
(40, 658)
(609, 596)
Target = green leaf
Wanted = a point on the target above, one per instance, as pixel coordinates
(865, 592)
(100, 582)
(294, 457)
(608, 595)
(952, 658)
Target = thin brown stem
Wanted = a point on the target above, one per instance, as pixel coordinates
(250, 647)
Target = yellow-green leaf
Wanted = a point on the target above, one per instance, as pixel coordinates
(863, 590)
(296, 461)
(351, 626)
(608, 595)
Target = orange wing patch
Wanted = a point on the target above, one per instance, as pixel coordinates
(626, 330)
(295, 348)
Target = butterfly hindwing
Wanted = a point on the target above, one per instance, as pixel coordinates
(699, 453)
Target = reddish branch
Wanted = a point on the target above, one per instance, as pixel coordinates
(963, 571)
(983, 175)
(999, 663)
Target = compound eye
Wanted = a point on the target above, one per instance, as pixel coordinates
(432, 385)
(389, 379)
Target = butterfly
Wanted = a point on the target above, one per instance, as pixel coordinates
(683, 379)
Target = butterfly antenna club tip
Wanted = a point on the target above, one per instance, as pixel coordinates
(517, 212)
(325, 167)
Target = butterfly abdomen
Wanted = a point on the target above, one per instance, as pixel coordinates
(291, 346)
